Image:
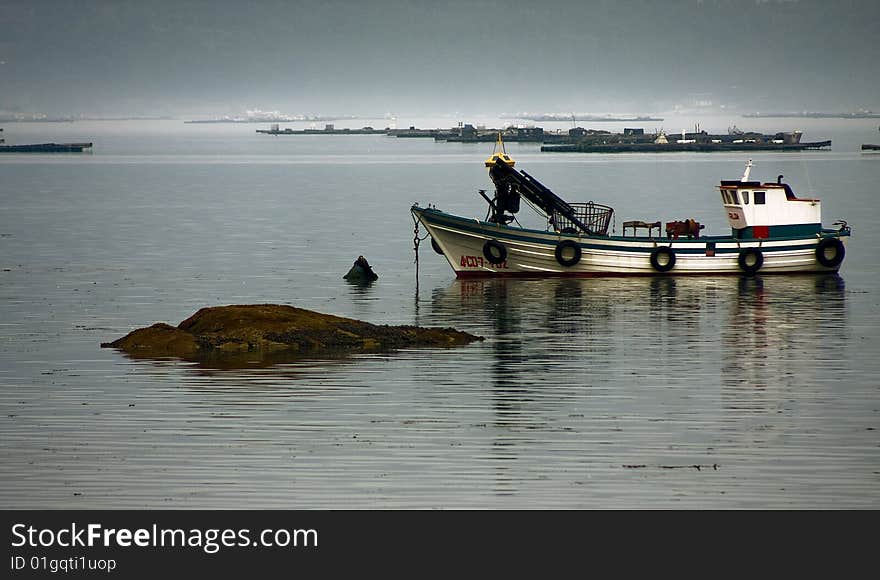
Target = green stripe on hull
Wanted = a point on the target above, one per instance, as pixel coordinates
(788, 231)
(685, 247)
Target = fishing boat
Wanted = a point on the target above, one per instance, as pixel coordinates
(46, 148)
(772, 231)
(865, 146)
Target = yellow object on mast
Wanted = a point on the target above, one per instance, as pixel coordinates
(499, 153)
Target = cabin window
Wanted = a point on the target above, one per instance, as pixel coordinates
(724, 197)
(734, 197)
(759, 197)
(746, 197)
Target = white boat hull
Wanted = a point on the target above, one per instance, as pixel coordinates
(533, 253)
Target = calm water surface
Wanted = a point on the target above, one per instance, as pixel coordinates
(657, 393)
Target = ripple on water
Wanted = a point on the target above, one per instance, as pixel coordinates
(666, 392)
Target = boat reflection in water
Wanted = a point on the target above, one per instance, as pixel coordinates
(630, 364)
(778, 336)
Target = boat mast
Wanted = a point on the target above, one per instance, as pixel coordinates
(748, 170)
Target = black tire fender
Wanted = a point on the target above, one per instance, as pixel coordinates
(670, 258)
(750, 260)
(564, 245)
(839, 252)
(436, 246)
(495, 252)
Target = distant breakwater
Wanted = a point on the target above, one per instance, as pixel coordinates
(579, 139)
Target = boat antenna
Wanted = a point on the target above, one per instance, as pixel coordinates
(499, 144)
(748, 170)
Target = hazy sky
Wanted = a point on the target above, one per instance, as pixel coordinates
(151, 57)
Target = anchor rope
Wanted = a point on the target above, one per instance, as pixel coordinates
(416, 241)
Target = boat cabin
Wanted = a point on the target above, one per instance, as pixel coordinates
(768, 210)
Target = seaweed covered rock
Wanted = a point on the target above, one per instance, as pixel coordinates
(278, 331)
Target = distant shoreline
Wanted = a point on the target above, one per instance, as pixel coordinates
(588, 118)
(859, 115)
(75, 119)
(286, 120)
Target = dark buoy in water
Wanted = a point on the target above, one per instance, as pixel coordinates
(361, 271)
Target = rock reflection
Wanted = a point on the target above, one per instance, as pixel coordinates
(242, 373)
(212, 365)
